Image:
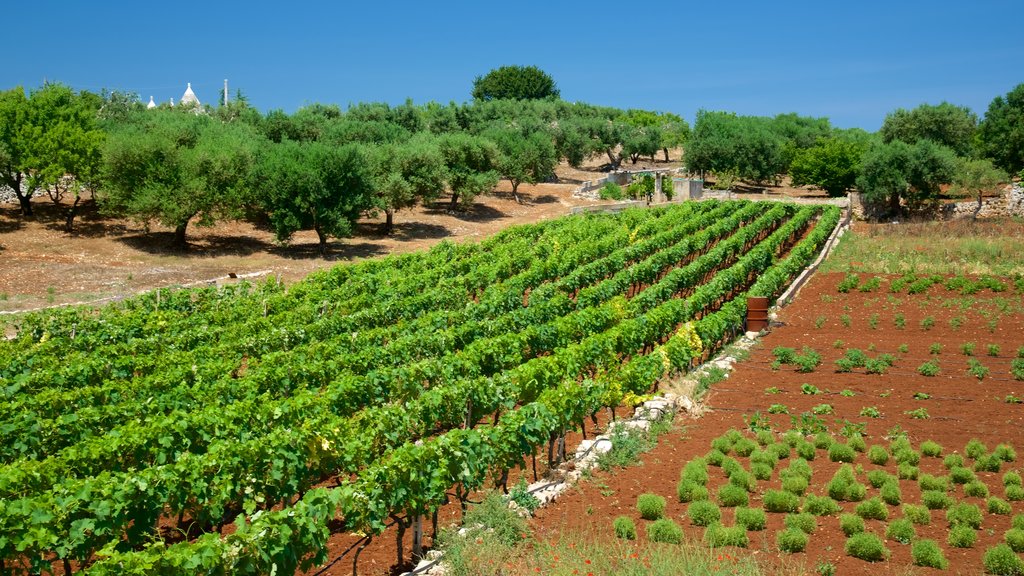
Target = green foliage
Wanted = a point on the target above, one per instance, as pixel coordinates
(1001, 132)
(878, 478)
(917, 514)
(515, 83)
(946, 124)
(665, 531)
(929, 482)
(901, 530)
(839, 452)
(821, 505)
(747, 146)
(878, 455)
(791, 540)
(851, 524)
(961, 475)
(696, 471)
(1018, 521)
(650, 506)
(611, 191)
(523, 157)
(844, 486)
(964, 514)
(895, 171)
(1002, 561)
(952, 461)
(936, 500)
(832, 165)
(988, 463)
(1005, 452)
(804, 522)
(753, 519)
(471, 163)
(929, 554)
(976, 489)
(931, 449)
(744, 447)
(1015, 493)
(872, 509)
(521, 495)
(731, 496)
(891, 494)
(688, 491)
(761, 471)
(624, 528)
(998, 506)
(961, 536)
(866, 547)
(781, 501)
(1015, 539)
(717, 536)
(929, 368)
(907, 472)
(795, 484)
(703, 512)
(1011, 479)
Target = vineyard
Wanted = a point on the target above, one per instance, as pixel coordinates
(231, 430)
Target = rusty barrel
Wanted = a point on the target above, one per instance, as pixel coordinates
(757, 313)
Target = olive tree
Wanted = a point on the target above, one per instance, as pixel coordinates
(523, 157)
(946, 124)
(1001, 133)
(470, 163)
(514, 82)
(404, 175)
(896, 172)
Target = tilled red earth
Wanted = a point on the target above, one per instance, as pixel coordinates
(959, 408)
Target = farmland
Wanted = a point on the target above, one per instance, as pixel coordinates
(924, 368)
(230, 430)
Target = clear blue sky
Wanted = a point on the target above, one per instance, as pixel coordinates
(850, 61)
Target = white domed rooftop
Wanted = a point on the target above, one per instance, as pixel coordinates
(189, 97)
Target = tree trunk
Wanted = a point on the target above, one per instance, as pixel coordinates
(665, 150)
(25, 201)
(894, 204)
(69, 216)
(977, 211)
(455, 200)
(389, 221)
(323, 241)
(614, 159)
(179, 241)
(515, 190)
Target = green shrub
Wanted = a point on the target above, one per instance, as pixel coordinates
(732, 496)
(751, 518)
(1015, 493)
(806, 450)
(717, 536)
(761, 471)
(976, 489)
(1015, 539)
(803, 522)
(767, 457)
(857, 442)
(611, 191)
(821, 505)
(988, 463)
(929, 482)
(841, 453)
(891, 493)
(953, 461)
(844, 485)
(851, 524)
(936, 500)
(624, 528)
(1011, 479)
(927, 553)
(743, 479)
(715, 457)
(781, 501)
(900, 530)
(791, 540)
(961, 475)
(964, 514)
(703, 513)
(795, 484)
(866, 547)
(962, 537)
(917, 514)
(650, 506)
(696, 471)
(907, 472)
(907, 456)
(931, 449)
(929, 368)
(1005, 452)
(1002, 561)
(822, 441)
(731, 466)
(744, 446)
(1018, 521)
(872, 509)
(998, 506)
(878, 455)
(664, 530)
(689, 491)
(765, 437)
(878, 478)
(975, 448)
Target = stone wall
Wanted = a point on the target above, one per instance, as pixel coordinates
(1010, 203)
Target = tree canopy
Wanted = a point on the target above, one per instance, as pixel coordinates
(515, 83)
(1001, 133)
(832, 165)
(946, 124)
(895, 172)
